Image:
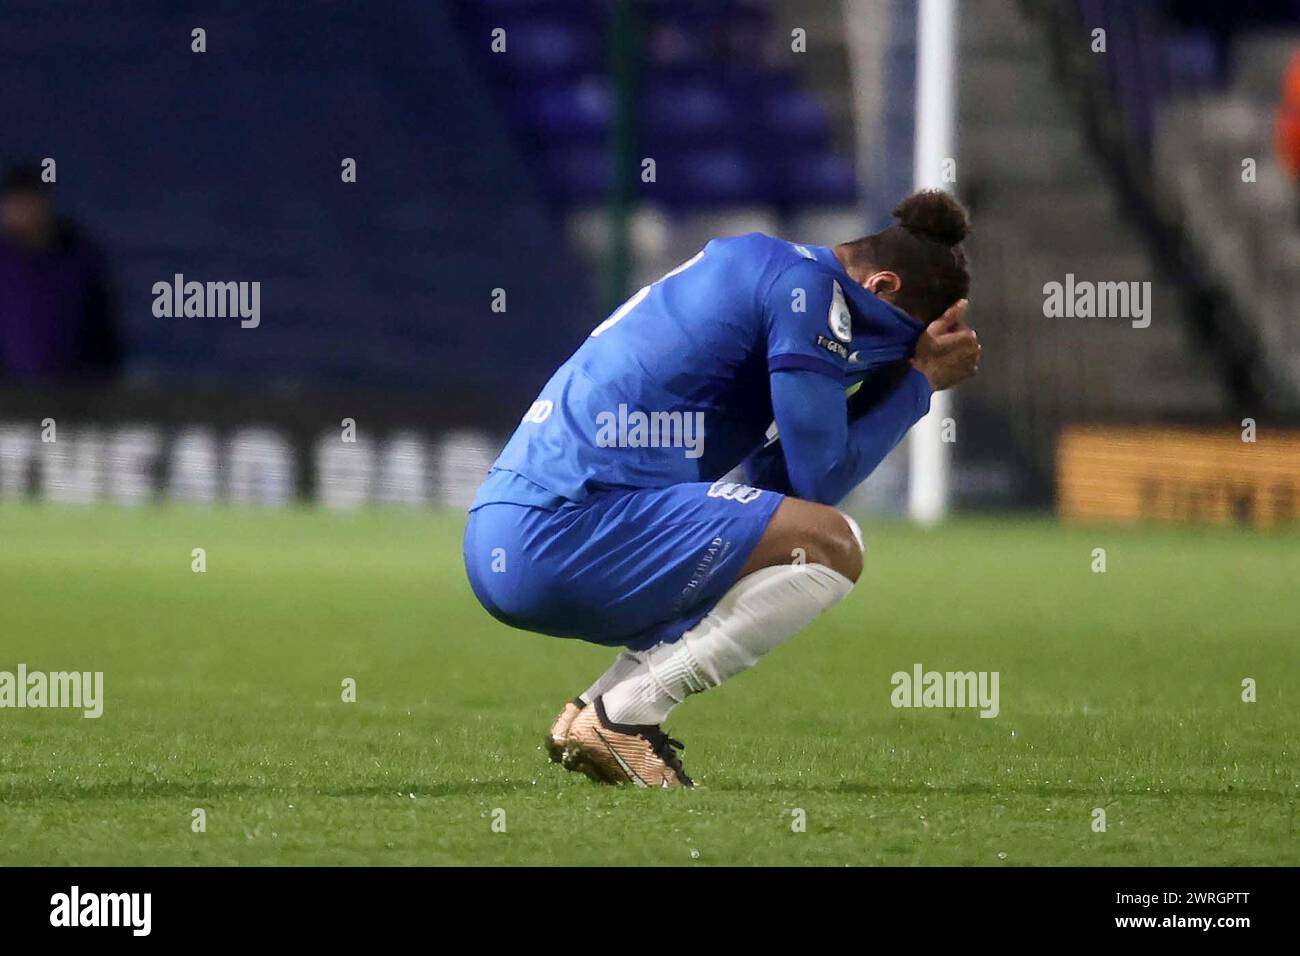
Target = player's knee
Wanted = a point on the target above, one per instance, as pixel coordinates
(838, 544)
(848, 548)
(808, 533)
(859, 545)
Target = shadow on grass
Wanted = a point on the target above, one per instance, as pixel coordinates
(166, 790)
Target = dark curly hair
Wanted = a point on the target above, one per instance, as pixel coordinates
(924, 248)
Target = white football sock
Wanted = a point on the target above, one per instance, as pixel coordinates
(623, 665)
(760, 611)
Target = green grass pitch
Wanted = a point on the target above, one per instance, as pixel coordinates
(1119, 690)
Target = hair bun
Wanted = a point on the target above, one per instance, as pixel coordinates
(935, 215)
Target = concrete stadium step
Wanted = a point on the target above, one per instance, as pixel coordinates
(1077, 234)
(1041, 156)
(991, 89)
(996, 26)
(827, 226)
(1258, 62)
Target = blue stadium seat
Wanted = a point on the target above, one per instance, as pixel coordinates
(227, 168)
(699, 110)
(576, 111)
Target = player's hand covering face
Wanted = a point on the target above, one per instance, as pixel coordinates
(948, 351)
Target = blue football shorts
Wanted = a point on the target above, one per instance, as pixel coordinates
(626, 567)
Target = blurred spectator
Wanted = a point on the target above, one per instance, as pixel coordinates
(55, 309)
(1288, 121)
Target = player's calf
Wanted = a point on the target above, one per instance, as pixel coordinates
(806, 562)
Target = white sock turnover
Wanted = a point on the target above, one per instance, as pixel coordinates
(760, 611)
(623, 666)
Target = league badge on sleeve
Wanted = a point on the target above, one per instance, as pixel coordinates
(839, 320)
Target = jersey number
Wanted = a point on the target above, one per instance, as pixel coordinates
(539, 411)
(621, 312)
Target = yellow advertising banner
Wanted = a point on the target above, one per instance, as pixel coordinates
(1178, 474)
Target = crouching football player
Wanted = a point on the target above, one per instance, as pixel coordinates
(607, 516)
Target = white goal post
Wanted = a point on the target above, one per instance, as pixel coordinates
(929, 457)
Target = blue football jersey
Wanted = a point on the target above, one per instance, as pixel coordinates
(673, 386)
